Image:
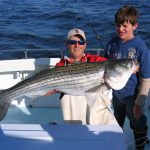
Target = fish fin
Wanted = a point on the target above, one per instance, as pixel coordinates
(92, 90)
(100, 99)
(91, 99)
(94, 93)
(3, 110)
(100, 88)
(4, 105)
(92, 96)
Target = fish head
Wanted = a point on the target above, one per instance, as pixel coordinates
(118, 72)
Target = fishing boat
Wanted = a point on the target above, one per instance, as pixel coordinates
(35, 121)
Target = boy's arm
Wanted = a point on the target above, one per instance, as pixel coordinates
(143, 90)
(143, 93)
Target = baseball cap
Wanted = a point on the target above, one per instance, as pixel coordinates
(76, 31)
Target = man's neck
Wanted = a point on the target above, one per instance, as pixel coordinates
(76, 59)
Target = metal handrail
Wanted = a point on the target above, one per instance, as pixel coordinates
(40, 53)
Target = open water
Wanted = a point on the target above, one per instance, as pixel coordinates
(43, 24)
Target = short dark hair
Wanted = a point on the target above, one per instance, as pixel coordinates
(126, 14)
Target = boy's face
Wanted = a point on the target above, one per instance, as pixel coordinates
(125, 31)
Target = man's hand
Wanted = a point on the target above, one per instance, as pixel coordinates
(50, 92)
(137, 111)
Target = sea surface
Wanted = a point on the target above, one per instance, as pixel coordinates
(43, 24)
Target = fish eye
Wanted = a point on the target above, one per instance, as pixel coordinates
(123, 64)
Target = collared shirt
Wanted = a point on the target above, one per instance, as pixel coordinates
(85, 58)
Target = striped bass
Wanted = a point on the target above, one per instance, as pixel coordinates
(75, 79)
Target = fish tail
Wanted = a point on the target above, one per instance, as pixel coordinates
(4, 105)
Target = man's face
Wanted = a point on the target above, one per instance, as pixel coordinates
(76, 49)
(125, 31)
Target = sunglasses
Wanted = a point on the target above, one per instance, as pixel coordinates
(73, 42)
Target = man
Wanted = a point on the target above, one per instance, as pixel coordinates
(75, 109)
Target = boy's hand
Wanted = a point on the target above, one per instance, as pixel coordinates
(136, 70)
(137, 111)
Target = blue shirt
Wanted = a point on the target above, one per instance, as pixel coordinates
(134, 48)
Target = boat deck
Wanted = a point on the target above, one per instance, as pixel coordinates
(56, 137)
(41, 115)
(128, 134)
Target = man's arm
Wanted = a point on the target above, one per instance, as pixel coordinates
(50, 92)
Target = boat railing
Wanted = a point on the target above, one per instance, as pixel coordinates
(40, 53)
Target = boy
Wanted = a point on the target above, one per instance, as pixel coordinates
(129, 101)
